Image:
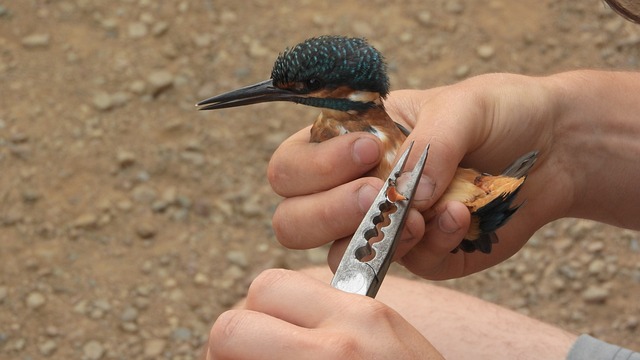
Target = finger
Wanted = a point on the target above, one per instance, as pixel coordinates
(310, 221)
(295, 298)
(298, 167)
(244, 334)
(447, 125)
(431, 258)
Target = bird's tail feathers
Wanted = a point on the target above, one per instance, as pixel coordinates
(521, 167)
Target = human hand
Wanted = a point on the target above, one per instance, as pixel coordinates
(289, 315)
(485, 123)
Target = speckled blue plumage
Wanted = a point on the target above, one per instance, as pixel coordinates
(334, 61)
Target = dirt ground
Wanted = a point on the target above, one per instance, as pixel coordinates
(129, 220)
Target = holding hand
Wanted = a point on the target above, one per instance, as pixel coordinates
(289, 314)
(484, 123)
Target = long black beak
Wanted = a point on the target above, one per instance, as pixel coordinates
(257, 93)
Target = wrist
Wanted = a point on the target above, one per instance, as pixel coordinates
(595, 142)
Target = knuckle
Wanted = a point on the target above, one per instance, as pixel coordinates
(278, 178)
(343, 346)
(282, 227)
(266, 281)
(223, 330)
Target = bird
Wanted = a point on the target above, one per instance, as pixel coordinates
(347, 79)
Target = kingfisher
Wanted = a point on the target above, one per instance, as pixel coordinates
(347, 79)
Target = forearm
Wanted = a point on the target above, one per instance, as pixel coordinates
(596, 138)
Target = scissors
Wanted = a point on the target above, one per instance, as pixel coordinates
(368, 256)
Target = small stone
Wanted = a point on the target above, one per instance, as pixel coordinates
(48, 347)
(138, 30)
(202, 41)
(3, 293)
(137, 87)
(129, 327)
(160, 28)
(30, 196)
(597, 266)
(485, 51)
(52, 331)
(35, 300)
(153, 348)
(454, 6)
(146, 230)
(424, 18)
(462, 71)
(102, 101)
(181, 334)
(120, 98)
(86, 221)
(201, 279)
(125, 158)
(144, 194)
(595, 295)
(595, 247)
(632, 323)
(93, 350)
(160, 81)
(36, 41)
(18, 344)
(129, 314)
(237, 257)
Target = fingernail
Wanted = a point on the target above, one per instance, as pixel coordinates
(365, 151)
(366, 195)
(447, 223)
(425, 189)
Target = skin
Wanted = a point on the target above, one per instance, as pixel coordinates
(585, 126)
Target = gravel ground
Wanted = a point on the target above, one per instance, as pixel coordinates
(129, 221)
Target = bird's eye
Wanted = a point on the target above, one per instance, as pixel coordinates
(313, 84)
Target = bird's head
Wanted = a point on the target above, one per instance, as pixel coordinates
(334, 72)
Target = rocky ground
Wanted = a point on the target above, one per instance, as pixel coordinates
(129, 221)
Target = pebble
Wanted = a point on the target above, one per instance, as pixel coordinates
(125, 158)
(86, 221)
(153, 348)
(454, 7)
(160, 28)
(146, 230)
(595, 295)
(137, 87)
(102, 101)
(597, 267)
(595, 247)
(93, 350)
(35, 300)
(36, 41)
(237, 257)
(424, 18)
(485, 52)
(129, 314)
(159, 81)
(462, 71)
(201, 279)
(3, 293)
(144, 194)
(48, 347)
(181, 334)
(138, 30)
